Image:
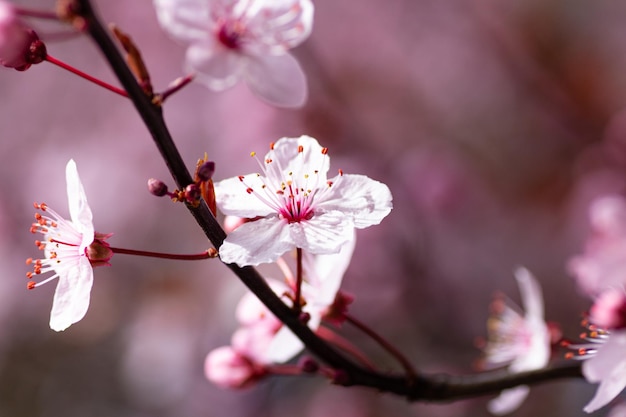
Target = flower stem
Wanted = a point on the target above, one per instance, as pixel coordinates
(297, 305)
(87, 77)
(39, 14)
(408, 368)
(174, 87)
(207, 254)
(345, 345)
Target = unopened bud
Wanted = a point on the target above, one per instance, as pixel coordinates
(308, 365)
(206, 170)
(157, 187)
(192, 193)
(304, 317)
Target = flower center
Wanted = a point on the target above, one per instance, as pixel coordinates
(230, 34)
(293, 191)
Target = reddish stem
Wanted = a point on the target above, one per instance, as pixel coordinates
(88, 77)
(345, 345)
(210, 253)
(176, 86)
(410, 371)
(39, 14)
(297, 306)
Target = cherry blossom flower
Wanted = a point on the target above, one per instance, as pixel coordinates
(296, 205)
(231, 40)
(71, 249)
(520, 341)
(603, 263)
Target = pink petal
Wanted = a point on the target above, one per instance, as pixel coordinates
(609, 388)
(367, 201)
(257, 242)
(508, 400)
(279, 80)
(608, 367)
(71, 298)
(80, 213)
(217, 67)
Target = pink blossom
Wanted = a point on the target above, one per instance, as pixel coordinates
(520, 341)
(228, 368)
(609, 309)
(603, 264)
(71, 249)
(16, 40)
(231, 40)
(297, 205)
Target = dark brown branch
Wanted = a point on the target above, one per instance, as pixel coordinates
(436, 387)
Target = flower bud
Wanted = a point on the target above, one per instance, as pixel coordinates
(227, 368)
(206, 170)
(20, 46)
(157, 187)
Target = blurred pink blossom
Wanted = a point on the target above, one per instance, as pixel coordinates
(297, 205)
(609, 309)
(522, 342)
(603, 263)
(234, 39)
(607, 366)
(227, 368)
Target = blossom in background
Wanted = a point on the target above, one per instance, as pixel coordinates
(71, 249)
(520, 341)
(231, 40)
(603, 264)
(15, 40)
(262, 339)
(297, 205)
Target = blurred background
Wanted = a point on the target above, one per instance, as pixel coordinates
(494, 123)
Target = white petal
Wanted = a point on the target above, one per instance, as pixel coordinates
(71, 298)
(324, 233)
(279, 80)
(532, 297)
(233, 200)
(216, 67)
(187, 20)
(80, 213)
(609, 388)
(284, 346)
(602, 364)
(508, 401)
(257, 242)
(366, 200)
(608, 367)
(308, 161)
(325, 273)
(278, 25)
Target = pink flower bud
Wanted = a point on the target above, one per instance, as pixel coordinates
(227, 368)
(20, 46)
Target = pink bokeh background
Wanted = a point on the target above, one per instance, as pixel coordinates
(494, 123)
